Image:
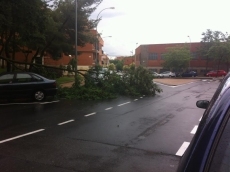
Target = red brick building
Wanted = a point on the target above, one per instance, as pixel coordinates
(126, 59)
(151, 56)
(86, 58)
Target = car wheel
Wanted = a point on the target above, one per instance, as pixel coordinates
(39, 95)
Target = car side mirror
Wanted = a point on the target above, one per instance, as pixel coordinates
(202, 104)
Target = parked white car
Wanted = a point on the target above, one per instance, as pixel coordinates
(168, 74)
(157, 75)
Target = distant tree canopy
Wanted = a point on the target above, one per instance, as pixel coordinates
(44, 26)
(118, 64)
(111, 67)
(215, 46)
(177, 58)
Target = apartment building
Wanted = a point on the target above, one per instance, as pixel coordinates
(88, 56)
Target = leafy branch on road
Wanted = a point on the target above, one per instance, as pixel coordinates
(107, 85)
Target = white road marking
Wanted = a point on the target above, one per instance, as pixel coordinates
(50, 102)
(123, 104)
(135, 99)
(141, 97)
(194, 129)
(182, 149)
(66, 122)
(90, 114)
(109, 108)
(23, 135)
(200, 118)
(204, 80)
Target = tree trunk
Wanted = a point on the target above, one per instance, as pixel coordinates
(8, 65)
(3, 64)
(26, 61)
(33, 58)
(13, 54)
(207, 62)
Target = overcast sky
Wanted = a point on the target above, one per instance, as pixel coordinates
(158, 21)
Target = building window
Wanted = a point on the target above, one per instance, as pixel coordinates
(152, 56)
(194, 56)
(163, 56)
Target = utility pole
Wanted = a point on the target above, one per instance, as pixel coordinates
(75, 71)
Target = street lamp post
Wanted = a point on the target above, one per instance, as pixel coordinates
(97, 35)
(189, 51)
(75, 71)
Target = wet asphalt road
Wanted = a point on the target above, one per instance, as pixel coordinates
(125, 134)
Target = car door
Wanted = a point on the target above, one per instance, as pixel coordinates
(214, 74)
(6, 82)
(192, 73)
(220, 152)
(221, 73)
(23, 85)
(185, 74)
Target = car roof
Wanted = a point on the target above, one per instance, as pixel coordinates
(196, 155)
(16, 72)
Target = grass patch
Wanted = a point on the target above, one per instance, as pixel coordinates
(65, 79)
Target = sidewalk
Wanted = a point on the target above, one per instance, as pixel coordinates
(68, 84)
(180, 81)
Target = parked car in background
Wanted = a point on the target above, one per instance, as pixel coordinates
(189, 74)
(168, 74)
(209, 149)
(216, 73)
(26, 84)
(157, 75)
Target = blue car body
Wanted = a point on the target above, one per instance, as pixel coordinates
(200, 153)
(189, 74)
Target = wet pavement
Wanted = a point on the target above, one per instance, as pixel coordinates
(124, 134)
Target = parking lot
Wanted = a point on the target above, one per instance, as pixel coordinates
(174, 81)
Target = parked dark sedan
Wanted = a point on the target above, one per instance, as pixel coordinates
(189, 74)
(26, 84)
(209, 149)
